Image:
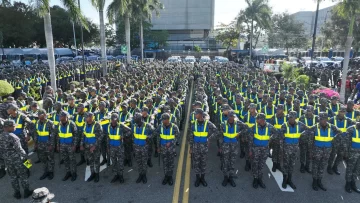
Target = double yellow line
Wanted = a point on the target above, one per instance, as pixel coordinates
(178, 179)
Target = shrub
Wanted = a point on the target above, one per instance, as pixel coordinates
(197, 48)
(303, 79)
(5, 88)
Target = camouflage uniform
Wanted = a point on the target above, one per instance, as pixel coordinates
(352, 152)
(22, 134)
(14, 155)
(45, 148)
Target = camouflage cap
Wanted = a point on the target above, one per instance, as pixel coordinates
(89, 114)
(289, 96)
(270, 99)
(42, 195)
(64, 114)
(145, 109)
(238, 96)
(300, 93)
(94, 101)
(81, 105)
(231, 113)
(310, 108)
(252, 106)
(342, 109)
(219, 98)
(296, 101)
(70, 97)
(57, 104)
(41, 111)
(323, 100)
(34, 104)
(261, 116)
(225, 107)
(124, 105)
(283, 92)
(334, 98)
(323, 115)
(114, 116)
(10, 99)
(199, 111)
(9, 123)
(280, 107)
(148, 101)
(197, 103)
(311, 97)
(102, 103)
(12, 107)
(171, 101)
(59, 90)
(224, 100)
(165, 116)
(292, 114)
(133, 100)
(166, 108)
(113, 100)
(137, 116)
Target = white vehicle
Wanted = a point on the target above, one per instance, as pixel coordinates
(324, 62)
(191, 60)
(337, 61)
(292, 61)
(173, 60)
(205, 59)
(273, 67)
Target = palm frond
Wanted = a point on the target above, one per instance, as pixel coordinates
(75, 12)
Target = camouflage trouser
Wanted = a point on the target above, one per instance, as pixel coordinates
(2, 163)
(168, 155)
(290, 151)
(93, 158)
(141, 156)
(228, 157)
(103, 148)
(320, 159)
(80, 132)
(275, 146)
(46, 157)
(200, 151)
(258, 159)
(69, 157)
(128, 148)
(353, 165)
(17, 172)
(244, 147)
(305, 153)
(117, 158)
(24, 144)
(150, 144)
(339, 153)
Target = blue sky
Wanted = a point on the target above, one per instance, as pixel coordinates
(225, 10)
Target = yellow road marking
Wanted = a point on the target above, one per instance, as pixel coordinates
(187, 177)
(182, 152)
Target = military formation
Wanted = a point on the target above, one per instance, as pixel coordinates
(136, 113)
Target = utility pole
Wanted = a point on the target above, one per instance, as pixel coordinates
(73, 24)
(82, 47)
(314, 35)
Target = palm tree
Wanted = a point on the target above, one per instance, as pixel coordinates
(257, 11)
(349, 9)
(144, 10)
(122, 9)
(99, 5)
(44, 11)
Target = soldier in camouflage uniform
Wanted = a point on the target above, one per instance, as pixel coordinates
(258, 138)
(341, 122)
(290, 134)
(90, 143)
(322, 136)
(22, 124)
(228, 139)
(150, 120)
(126, 117)
(79, 120)
(2, 162)
(66, 134)
(14, 156)
(309, 119)
(45, 144)
(4, 106)
(200, 133)
(141, 133)
(352, 153)
(277, 120)
(167, 133)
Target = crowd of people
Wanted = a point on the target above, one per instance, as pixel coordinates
(138, 111)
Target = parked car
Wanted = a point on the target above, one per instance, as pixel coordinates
(93, 58)
(325, 62)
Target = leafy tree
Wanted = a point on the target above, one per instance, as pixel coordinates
(286, 32)
(227, 34)
(156, 37)
(110, 35)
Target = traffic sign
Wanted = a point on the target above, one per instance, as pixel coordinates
(123, 49)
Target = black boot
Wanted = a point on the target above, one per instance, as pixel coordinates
(308, 169)
(156, 153)
(149, 163)
(27, 192)
(335, 169)
(17, 194)
(44, 176)
(242, 154)
(115, 178)
(138, 180)
(50, 175)
(165, 181)
(144, 179)
(202, 180)
(125, 162)
(278, 167)
(225, 181)
(274, 167)
(284, 183)
(121, 178)
(321, 186)
(130, 162)
(3, 173)
(302, 168)
(81, 162)
(97, 177)
(197, 181)
(232, 182)
(348, 187)
(28, 172)
(247, 165)
(62, 161)
(289, 182)
(104, 161)
(354, 188)
(315, 184)
(73, 177)
(67, 176)
(329, 170)
(91, 178)
(261, 183)
(255, 183)
(171, 181)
